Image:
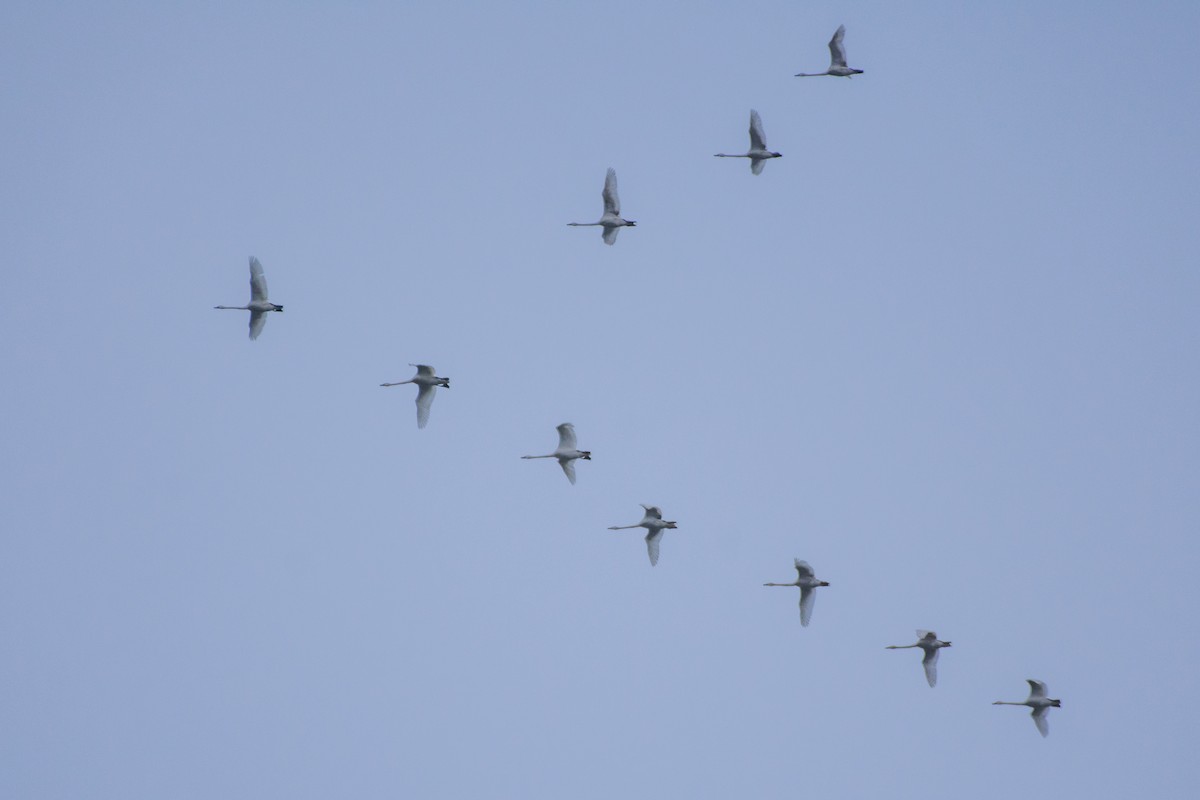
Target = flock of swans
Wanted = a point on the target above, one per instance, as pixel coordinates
(567, 452)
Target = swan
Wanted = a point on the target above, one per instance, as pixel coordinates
(1039, 702)
(259, 305)
(611, 221)
(807, 581)
(654, 523)
(566, 452)
(930, 643)
(758, 152)
(428, 381)
(837, 59)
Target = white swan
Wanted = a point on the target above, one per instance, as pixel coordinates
(930, 643)
(837, 59)
(807, 581)
(428, 381)
(566, 452)
(611, 221)
(259, 305)
(654, 523)
(1039, 702)
(758, 152)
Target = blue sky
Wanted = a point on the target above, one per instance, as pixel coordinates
(944, 350)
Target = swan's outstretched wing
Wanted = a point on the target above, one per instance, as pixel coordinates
(258, 282)
(756, 165)
(1036, 689)
(803, 567)
(837, 53)
(424, 370)
(612, 203)
(653, 538)
(930, 664)
(923, 634)
(257, 320)
(424, 401)
(569, 468)
(1039, 719)
(808, 596)
(610, 234)
(758, 139)
(652, 512)
(566, 436)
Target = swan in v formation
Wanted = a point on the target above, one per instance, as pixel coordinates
(837, 59)
(654, 523)
(259, 305)
(807, 581)
(930, 643)
(758, 152)
(567, 453)
(1039, 702)
(611, 220)
(428, 382)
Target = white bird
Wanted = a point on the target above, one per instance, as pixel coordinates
(930, 643)
(428, 381)
(611, 221)
(259, 305)
(567, 452)
(758, 153)
(807, 581)
(837, 59)
(654, 523)
(1039, 702)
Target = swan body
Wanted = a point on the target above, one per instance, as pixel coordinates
(807, 581)
(1039, 702)
(655, 524)
(837, 59)
(930, 643)
(758, 152)
(259, 305)
(567, 453)
(611, 221)
(428, 382)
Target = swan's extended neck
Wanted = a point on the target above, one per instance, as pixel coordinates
(585, 224)
(397, 383)
(234, 308)
(552, 455)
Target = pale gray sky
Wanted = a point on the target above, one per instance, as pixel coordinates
(944, 349)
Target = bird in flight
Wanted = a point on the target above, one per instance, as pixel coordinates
(259, 305)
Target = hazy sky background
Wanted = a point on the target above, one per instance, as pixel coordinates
(945, 349)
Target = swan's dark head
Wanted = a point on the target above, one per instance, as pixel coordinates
(586, 455)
